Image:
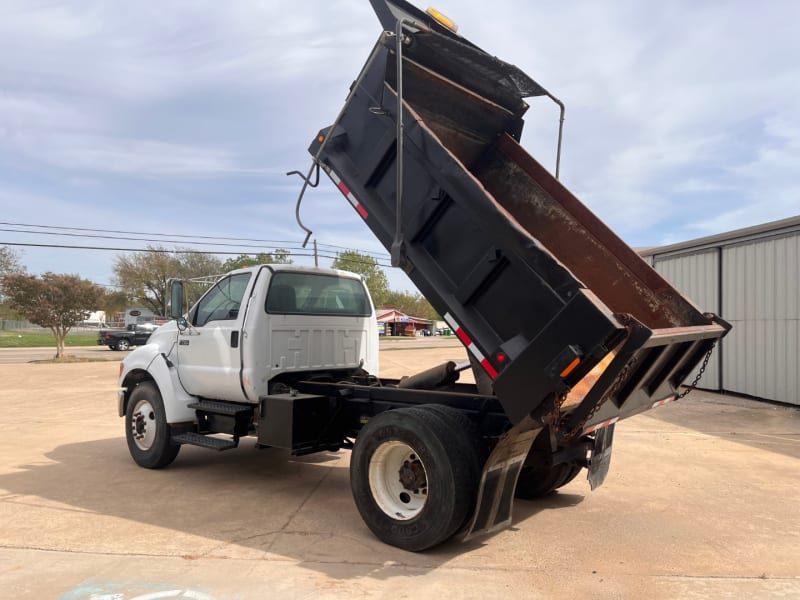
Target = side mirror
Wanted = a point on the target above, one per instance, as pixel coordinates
(176, 298)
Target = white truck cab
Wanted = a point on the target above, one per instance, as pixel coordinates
(253, 332)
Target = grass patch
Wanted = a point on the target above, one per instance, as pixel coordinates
(72, 359)
(40, 339)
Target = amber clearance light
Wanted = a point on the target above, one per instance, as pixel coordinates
(570, 367)
(442, 20)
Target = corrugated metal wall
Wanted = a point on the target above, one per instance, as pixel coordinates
(758, 292)
(761, 298)
(697, 276)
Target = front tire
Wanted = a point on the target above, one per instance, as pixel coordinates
(146, 429)
(412, 482)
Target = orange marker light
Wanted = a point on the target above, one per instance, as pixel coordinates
(442, 20)
(570, 367)
(321, 138)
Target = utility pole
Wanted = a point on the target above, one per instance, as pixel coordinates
(316, 256)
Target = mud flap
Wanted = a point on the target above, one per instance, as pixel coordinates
(499, 480)
(601, 457)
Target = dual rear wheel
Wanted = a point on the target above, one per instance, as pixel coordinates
(414, 473)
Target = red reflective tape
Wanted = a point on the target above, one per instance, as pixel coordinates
(489, 368)
(462, 335)
(343, 187)
(606, 423)
(362, 211)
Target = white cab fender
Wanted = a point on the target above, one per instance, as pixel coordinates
(148, 358)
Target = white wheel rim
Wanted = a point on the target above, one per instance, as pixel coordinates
(143, 425)
(398, 480)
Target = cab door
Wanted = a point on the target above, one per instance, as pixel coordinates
(209, 351)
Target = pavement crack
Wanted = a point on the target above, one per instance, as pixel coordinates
(295, 512)
(761, 577)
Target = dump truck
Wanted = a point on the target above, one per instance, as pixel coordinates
(566, 328)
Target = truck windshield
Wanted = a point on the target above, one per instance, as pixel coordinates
(312, 294)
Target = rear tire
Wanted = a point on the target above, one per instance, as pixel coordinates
(539, 481)
(413, 481)
(572, 473)
(123, 345)
(146, 429)
(470, 443)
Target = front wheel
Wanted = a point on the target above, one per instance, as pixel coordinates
(146, 428)
(412, 482)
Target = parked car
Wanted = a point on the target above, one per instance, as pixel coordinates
(124, 339)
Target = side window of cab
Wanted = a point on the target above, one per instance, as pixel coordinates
(223, 301)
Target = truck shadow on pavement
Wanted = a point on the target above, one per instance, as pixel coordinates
(245, 503)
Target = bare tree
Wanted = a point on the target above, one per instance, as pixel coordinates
(143, 276)
(9, 262)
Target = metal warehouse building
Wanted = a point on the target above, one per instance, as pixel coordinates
(751, 278)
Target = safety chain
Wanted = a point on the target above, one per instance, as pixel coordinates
(623, 376)
(702, 370)
(555, 416)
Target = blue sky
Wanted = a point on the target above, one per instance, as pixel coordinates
(683, 117)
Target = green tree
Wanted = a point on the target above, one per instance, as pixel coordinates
(368, 267)
(53, 301)
(413, 304)
(143, 276)
(278, 257)
(114, 302)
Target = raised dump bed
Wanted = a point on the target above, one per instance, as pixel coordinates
(545, 296)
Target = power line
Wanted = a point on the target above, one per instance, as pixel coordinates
(139, 239)
(180, 251)
(176, 235)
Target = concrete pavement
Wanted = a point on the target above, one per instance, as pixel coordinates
(701, 501)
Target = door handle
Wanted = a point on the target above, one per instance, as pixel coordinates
(234, 339)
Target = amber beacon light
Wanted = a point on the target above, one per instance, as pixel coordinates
(442, 19)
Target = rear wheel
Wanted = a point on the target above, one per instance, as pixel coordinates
(470, 443)
(572, 473)
(123, 345)
(538, 481)
(146, 428)
(412, 481)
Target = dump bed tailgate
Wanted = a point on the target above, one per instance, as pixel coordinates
(545, 297)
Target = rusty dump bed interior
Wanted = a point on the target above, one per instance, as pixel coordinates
(474, 130)
(528, 277)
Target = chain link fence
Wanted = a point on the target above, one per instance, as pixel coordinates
(11, 325)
